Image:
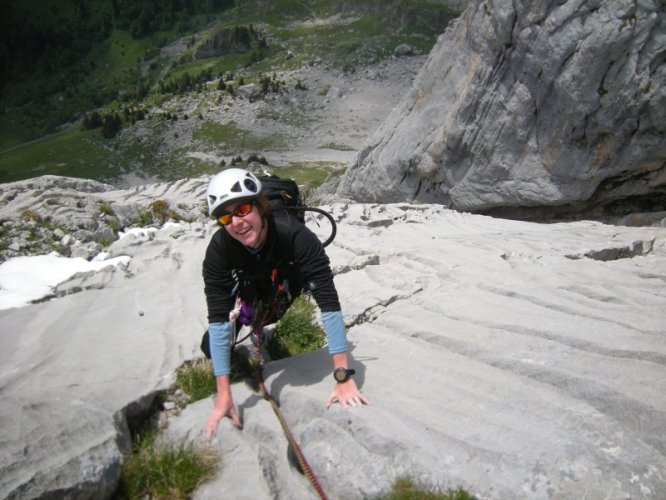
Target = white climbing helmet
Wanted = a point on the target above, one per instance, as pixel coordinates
(230, 185)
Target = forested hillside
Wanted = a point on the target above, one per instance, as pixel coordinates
(47, 48)
(87, 69)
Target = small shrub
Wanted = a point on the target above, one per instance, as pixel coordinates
(166, 470)
(160, 210)
(92, 120)
(31, 215)
(300, 85)
(111, 125)
(113, 223)
(257, 159)
(105, 209)
(106, 242)
(143, 218)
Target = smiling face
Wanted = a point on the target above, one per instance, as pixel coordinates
(249, 230)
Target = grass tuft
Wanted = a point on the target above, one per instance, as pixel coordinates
(164, 470)
(296, 333)
(196, 379)
(405, 489)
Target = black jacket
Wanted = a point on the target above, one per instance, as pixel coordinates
(290, 247)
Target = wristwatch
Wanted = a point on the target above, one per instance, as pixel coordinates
(343, 374)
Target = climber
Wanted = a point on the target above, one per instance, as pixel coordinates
(256, 251)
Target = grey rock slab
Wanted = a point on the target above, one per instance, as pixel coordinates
(514, 359)
(506, 366)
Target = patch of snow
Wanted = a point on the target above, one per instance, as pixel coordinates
(26, 279)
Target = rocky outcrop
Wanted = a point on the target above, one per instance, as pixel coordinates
(559, 107)
(515, 359)
(226, 41)
(77, 217)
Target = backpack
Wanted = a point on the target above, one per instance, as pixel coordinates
(284, 194)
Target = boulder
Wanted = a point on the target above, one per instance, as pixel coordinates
(249, 91)
(403, 49)
(545, 107)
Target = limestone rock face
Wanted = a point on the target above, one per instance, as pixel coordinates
(517, 360)
(530, 104)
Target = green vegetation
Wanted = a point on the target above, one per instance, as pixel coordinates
(74, 152)
(105, 209)
(405, 489)
(64, 58)
(309, 175)
(228, 138)
(196, 379)
(157, 213)
(162, 211)
(109, 65)
(295, 333)
(336, 146)
(35, 234)
(158, 469)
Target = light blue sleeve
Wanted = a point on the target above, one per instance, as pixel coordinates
(221, 336)
(334, 327)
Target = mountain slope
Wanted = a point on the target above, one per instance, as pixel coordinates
(146, 80)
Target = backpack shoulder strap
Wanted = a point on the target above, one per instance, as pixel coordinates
(284, 232)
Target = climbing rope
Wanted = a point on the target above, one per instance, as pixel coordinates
(258, 338)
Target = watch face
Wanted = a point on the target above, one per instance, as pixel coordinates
(342, 374)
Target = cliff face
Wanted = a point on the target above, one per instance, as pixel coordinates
(544, 104)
